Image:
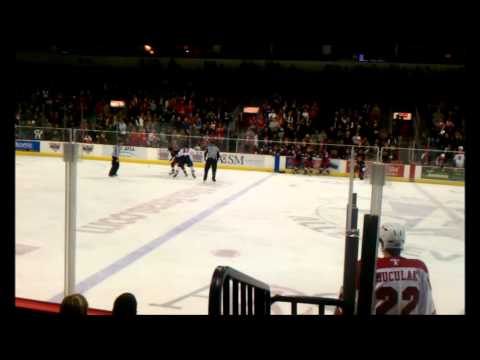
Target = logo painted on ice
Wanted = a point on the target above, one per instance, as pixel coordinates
(319, 225)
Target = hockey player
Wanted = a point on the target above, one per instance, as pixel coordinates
(402, 286)
(173, 158)
(185, 157)
(360, 167)
(308, 163)
(297, 159)
(325, 164)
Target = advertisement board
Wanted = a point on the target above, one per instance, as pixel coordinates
(27, 145)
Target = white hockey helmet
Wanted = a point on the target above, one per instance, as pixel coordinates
(392, 235)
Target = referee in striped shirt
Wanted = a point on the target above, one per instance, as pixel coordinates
(115, 160)
(212, 154)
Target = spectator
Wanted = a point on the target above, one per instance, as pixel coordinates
(125, 306)
(437, 117)
(74, 305)
(397, 121)
(140, 120)
(357, 139)
(153, 106)
(459, 158)
(375, 113)
(87, 139)
(153, 139)
(440, 160)
(102, 138)
(122, 127)
(220, 131)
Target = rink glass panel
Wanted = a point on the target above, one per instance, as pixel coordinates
(39, 214)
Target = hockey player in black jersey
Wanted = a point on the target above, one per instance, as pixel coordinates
(173, 158)
(361, 167)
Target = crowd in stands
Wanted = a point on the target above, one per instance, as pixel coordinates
(283, 125)
(142, 119)
(446, 127)
(281, 122)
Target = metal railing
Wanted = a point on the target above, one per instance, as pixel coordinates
(226, 299)
(406, 156)
(163, 140)
(425, 157)
(234, 293)
(312, 300)
(43, 133)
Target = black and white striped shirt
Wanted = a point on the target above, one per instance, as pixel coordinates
(213, 152)
(116, 151)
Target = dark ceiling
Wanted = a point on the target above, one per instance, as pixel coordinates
(249, 43)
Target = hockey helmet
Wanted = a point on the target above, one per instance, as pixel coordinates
(392, 236)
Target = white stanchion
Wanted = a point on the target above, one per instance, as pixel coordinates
(70, 156)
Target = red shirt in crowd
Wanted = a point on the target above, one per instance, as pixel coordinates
(138, 139)
(220, 132)
(190, 107)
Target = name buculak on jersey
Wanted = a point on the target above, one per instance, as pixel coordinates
(397, 275)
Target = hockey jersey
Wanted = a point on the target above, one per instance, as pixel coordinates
(402, 287)
(186, 152)
(173, 153)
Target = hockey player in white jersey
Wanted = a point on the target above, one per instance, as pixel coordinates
(402, 286)
(185, 157)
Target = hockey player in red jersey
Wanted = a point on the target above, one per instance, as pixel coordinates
(402, 286)
(297, 159)
(308, 163)
(325, 164)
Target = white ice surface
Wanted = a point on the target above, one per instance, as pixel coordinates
(287, 230)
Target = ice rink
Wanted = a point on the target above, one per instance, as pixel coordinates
(161, 238)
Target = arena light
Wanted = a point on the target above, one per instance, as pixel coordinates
(151, 52)
(117, 103)
(251, 110)
(147, 48)
(403, 115)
